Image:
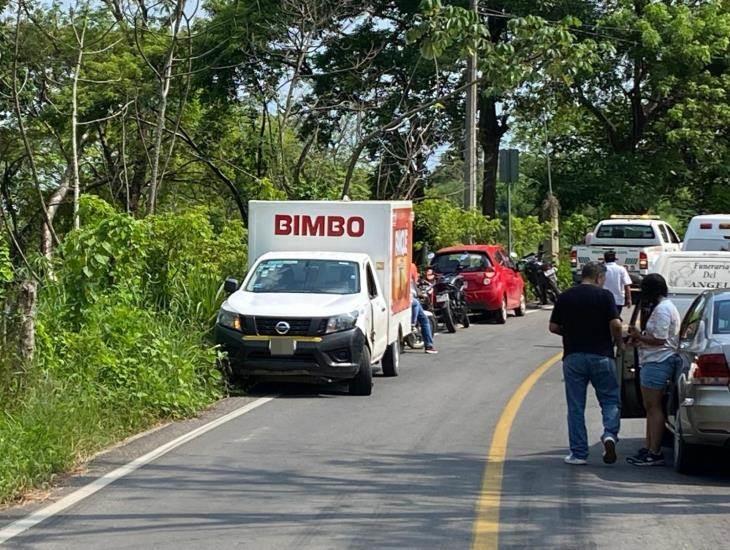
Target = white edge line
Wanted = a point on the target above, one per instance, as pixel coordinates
(23, 524)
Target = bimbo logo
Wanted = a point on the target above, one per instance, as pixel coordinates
(319, 226)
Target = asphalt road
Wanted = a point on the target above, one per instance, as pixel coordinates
(401, 469)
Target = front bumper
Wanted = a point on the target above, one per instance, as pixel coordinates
(330, 357)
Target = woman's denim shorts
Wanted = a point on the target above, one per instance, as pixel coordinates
(655, 375)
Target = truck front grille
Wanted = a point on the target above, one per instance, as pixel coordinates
(266, 326)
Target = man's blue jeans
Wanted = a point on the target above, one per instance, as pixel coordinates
(578, 370)
(417, 314)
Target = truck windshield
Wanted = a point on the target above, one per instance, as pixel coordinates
(460, 261)
(625, 231)
(305, 276)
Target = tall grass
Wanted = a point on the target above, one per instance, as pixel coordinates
(122, 340)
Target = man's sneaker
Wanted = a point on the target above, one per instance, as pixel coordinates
(575, 461)
(648, 459)
(432, 350)
(609, 450)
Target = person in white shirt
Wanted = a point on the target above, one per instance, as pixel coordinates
(659, 362)
(617, 281)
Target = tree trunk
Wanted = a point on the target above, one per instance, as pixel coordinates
(27, 300)
(490, 136)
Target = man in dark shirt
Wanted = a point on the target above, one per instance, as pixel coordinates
(587, 318)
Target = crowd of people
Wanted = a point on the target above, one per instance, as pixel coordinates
(588, 318)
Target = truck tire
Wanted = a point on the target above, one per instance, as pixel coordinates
(362, 384)
(449, 318)
(391, 359)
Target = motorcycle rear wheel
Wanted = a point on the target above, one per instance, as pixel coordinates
(448, 317)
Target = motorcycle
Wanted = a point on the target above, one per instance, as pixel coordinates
(414, 340)
(449, 301)
(542, 276)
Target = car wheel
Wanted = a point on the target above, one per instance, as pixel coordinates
(683, 452)
(391, 359)
(449, 318)
(362, 384)
(520, 311)
(501, 314)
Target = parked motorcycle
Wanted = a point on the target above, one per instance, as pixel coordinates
(449, 301)
(542, 276)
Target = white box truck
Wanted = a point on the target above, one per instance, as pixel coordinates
(327, 295)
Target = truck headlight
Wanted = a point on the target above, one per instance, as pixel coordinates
(229, 319)
(342, 322)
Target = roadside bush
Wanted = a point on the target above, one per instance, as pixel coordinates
(439, 223)
(121, 338)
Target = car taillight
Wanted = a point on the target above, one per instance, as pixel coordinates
(573, 258)
(643, 260)
(711, 370)
(489, 273)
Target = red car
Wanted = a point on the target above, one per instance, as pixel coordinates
(493, 282)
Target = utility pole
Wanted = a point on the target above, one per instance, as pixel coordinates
(470, 137)
(552, 203)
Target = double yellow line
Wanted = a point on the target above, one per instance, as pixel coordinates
(486, 523)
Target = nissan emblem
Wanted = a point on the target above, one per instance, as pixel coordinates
(282, 328)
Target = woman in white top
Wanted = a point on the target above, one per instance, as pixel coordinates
(659, 360)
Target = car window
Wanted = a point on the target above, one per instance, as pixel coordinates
(625, 231)
(372, 287)
(499, 257)
(692, 318)
(719, 244)
(461, 261)
(665, 233)
(721, 317)
(673, 235)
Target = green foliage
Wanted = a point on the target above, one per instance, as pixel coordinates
(121, 337)
(441, 223)
(6, 269)
(574, 228)
(528, 233)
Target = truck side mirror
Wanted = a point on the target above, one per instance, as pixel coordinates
(230, 286)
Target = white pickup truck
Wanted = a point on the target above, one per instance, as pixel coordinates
(637, 241)
(327, 296)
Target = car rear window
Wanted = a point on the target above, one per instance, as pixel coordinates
(625, 231)
(460, 261)
(721, 315)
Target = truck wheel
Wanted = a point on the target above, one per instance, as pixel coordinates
(520, 311)
(449, 318)
(501, 313)
(362, 384)
(391, 359)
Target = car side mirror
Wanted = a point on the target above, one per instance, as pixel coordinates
(230, 286)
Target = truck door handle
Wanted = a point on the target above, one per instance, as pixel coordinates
(383, 308)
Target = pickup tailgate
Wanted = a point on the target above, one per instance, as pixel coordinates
(628, 257)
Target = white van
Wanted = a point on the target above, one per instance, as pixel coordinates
(711, 232)
(327, 295)
(688, 274)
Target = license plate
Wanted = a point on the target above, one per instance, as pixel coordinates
(550, 272)
(282, 346)
(441, 299)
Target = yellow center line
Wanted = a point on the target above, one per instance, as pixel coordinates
(486, 523)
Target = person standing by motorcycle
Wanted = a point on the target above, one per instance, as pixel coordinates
(617, 281)
(418, 315)
(586, 317)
